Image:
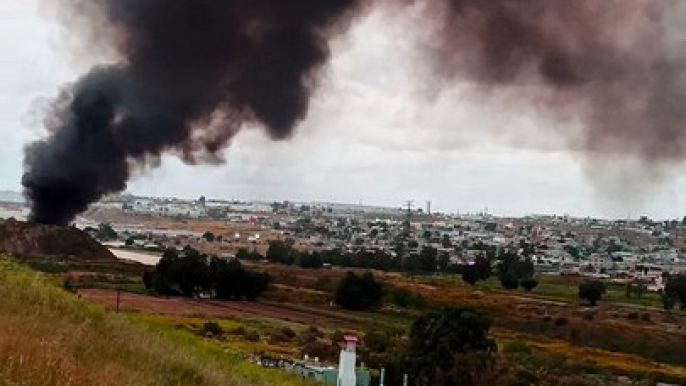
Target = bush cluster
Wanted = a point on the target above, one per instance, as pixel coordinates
(192, 274)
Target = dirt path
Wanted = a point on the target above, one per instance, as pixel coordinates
(209, 308)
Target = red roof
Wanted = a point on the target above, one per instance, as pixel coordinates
(351, 339)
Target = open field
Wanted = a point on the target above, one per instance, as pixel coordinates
(615, 338)
(49, 337)
(212, 308)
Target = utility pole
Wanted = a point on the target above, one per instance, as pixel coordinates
(118, 298)
(408, 216)
(409, 204)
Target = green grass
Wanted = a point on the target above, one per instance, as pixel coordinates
(558, 288)
(567, 289)
(49, 337)
(126, 283)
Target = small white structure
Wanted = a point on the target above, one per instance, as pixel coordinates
(346, 365)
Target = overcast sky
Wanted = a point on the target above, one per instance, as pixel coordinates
(374, 135)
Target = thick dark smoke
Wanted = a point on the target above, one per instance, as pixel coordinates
(612, 65)
(191, 73)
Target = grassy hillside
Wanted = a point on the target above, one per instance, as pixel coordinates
(50, 337)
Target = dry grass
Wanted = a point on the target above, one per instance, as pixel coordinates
(619, 362)
(51, 338)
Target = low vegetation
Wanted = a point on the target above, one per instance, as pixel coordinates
(49, 337)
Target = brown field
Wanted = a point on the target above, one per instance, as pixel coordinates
(216, 309)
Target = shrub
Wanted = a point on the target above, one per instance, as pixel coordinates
(68, 286)
(645, 317)
(238, 330)
(336, 337)
(591, 291)
(516, 347)
(358, 292)
(470, 274)
(320, 350)
(278, 337)
(311, 334)
(377, 341)
(404, 298)
(438, 335)
(212, 328)
(509, 281)
(314, 331)
(632, 315)
(529, 284)
(252, 336)
(288, 332)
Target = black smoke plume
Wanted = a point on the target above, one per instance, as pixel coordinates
(191, 73)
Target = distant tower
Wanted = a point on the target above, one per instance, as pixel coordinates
(409, 204)
(408, 217)
(428, 208)
(346, 365)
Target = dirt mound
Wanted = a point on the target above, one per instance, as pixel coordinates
(34, 240)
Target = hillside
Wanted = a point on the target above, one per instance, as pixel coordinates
(51, 337)
(33, 240)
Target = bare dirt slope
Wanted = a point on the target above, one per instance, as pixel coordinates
(23, 239)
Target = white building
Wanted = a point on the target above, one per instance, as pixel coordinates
(346, 365)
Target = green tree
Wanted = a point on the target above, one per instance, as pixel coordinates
(310, 260)
(509, 281)
(592, 291)
(675, 290)
(358, 292)
(428, 258)
(231, 281)
(529, 284)
(470, 274)
(209, 237)
(105, 232)
(483, 267)
(437, 336)
(280, 252)
(443, 261)
(192, 272)
(573, 251)
(402, 297)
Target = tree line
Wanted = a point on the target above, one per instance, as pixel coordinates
(191, 273)
(512, 270)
